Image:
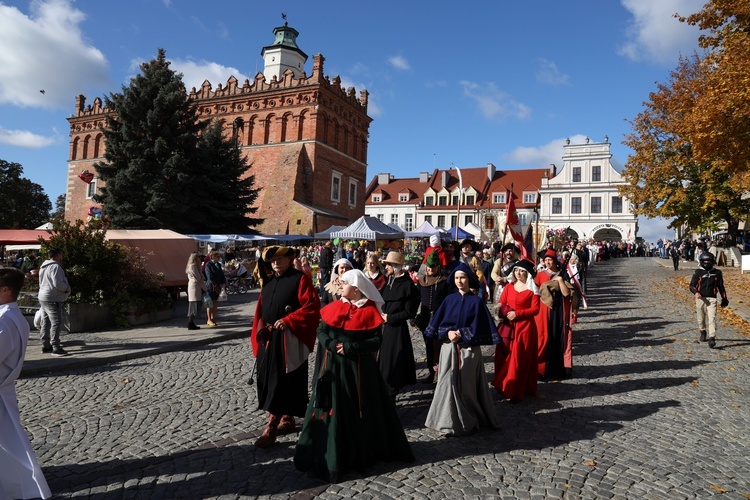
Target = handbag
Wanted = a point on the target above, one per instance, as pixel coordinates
(324, 388)
(223, 295)
(208, 303)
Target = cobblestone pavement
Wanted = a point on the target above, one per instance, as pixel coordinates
(651, 413)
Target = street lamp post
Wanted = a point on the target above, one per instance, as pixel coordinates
(460, 194)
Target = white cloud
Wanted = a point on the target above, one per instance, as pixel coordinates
(194, 73)
(47, 51)
(493, 102)
(399, 62)
(655, 35)
(549, 73)
(544, 155)
(373, 107)
(24, 139)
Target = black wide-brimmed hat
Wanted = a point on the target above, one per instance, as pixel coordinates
(527, 266)
(474, 244)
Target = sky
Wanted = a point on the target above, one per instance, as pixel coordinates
(465, 83)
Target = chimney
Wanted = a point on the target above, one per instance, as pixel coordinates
(490, 172)
(424, 177)
(384, 178)
(554, 169)
(444, 177)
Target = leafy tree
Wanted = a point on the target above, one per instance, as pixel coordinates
(153, 171)
(719, 124)
(690, 143)
(23, 204)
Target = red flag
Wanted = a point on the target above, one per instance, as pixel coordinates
(511, 223)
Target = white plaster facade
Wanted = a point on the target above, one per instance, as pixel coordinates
(583, 196)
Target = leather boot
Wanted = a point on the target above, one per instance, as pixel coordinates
(269, 433)
(287, 425)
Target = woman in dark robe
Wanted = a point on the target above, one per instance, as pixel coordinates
(396, 358)
(433, 288)
(553, 321)
(351, 420)
(462, 402)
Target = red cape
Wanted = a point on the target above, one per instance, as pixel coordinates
(347, 316)
(303, 323)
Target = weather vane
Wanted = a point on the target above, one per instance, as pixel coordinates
(283, 16)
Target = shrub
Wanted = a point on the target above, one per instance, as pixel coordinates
(103, 272)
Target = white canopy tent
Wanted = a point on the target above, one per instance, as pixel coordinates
(368, 228)
(424, 231)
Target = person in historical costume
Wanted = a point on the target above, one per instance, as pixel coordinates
(436, 248)
(374, 271)
(462, 402)
(286, 318)
(396, 358)
(20, 474)
(331, 293)
(519, 305)
(351, 420)
(332, 289)
(433, 288)
(553, 323)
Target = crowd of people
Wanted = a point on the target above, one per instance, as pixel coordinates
(461, 296)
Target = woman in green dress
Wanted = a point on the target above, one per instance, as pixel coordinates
(351, 421)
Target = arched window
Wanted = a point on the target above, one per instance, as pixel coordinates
(74, 149)
(238, 130)
(98, 145)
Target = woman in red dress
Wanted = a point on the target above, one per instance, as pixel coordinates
(519, 302)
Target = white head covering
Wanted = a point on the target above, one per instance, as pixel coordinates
(530, 283)
(357, 278)
(434, 240)
(336, 265)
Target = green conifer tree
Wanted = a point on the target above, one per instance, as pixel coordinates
(232, 196)
(154, 171)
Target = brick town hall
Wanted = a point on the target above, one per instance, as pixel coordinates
(305, 138)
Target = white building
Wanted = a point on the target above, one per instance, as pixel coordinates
(583, 196)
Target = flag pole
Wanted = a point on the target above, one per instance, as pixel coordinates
(505, 231)
(536, 225)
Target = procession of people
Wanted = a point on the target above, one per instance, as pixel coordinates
(462, 298)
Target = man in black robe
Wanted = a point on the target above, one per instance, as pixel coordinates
(284, 328)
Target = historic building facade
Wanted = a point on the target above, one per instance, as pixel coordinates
(583, 197)
(305, 138)
(470, 197)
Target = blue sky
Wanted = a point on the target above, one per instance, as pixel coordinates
(450, 82)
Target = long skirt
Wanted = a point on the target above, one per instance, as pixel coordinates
(279, 392)
(462, 402)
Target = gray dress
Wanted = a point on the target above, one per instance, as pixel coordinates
(462, 402)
